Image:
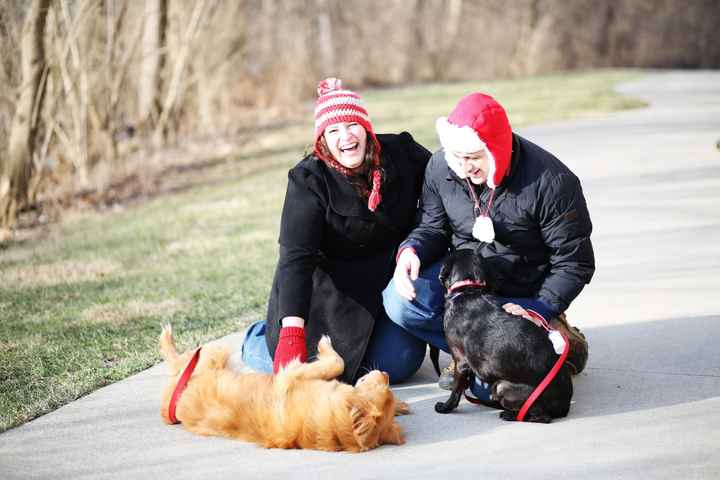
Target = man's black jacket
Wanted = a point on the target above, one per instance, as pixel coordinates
(542, 245)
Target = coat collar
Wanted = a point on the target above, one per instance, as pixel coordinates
(342, 196)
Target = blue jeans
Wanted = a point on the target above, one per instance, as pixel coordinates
(423, 316)
(390, 349)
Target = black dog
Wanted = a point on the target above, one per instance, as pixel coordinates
(511, 353)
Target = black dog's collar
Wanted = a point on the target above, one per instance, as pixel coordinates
(453, 290)
(466, 283)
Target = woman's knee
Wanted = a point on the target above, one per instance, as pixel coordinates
(254, 349)
(393, 350)
(395, 305)
(408, 363)
(400, 364)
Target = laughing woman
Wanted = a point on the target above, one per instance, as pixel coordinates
(348, 205)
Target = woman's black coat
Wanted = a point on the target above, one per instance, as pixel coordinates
(336, 256)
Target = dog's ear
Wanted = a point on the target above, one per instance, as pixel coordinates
(446, 270)
(364, 416)
(478, 268)
(485, 258)
(483, 270)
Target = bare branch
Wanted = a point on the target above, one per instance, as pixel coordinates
(180, 65)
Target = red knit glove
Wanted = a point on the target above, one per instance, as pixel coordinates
(291, 345)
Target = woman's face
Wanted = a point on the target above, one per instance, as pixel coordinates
(346, 142)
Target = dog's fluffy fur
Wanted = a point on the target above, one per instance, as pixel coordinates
(300, 407)
(505, 350)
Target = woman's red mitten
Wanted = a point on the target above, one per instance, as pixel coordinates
(291, 345)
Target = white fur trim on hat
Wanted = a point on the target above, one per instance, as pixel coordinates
(465, 140)
(459, 139)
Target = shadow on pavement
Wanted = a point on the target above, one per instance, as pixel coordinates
(632, 367)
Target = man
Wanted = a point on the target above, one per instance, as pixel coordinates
(490, 188)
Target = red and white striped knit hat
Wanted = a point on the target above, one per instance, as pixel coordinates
(334, 105)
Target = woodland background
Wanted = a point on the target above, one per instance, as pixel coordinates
(101, 98)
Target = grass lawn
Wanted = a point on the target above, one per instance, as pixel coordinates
(82, 306)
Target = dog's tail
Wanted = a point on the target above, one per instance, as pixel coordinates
(435, 358)
(168, 350)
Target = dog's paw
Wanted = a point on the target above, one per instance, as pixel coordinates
(166, 329)
(166, 335)
(539, 418)
(508, 416)
(444, 407)
(293, 364)
(401, 408)
(325, 345)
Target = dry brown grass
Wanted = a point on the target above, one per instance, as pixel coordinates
(115, 314)
(49, 274)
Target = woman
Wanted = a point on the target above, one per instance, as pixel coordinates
(348, 206)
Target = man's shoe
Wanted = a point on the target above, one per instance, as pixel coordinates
(447, 377)
(578, 354)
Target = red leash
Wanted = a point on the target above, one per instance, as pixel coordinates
(182, 383)
(553, 371)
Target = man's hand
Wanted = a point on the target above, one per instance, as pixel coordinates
(406, 272)
(516, 309)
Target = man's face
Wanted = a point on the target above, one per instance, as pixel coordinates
(476, 165)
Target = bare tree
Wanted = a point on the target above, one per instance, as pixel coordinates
(153, 61)
(202, 68)
(325, 37)
(435, 30)
(181, 63)
(16, 173)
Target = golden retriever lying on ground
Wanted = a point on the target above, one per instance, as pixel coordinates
(300, 407)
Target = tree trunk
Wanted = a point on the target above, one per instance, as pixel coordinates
(16, 172)
(153, 61)
(181, 63)
(325, 38)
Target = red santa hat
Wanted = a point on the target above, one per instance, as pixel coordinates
(478, 122)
